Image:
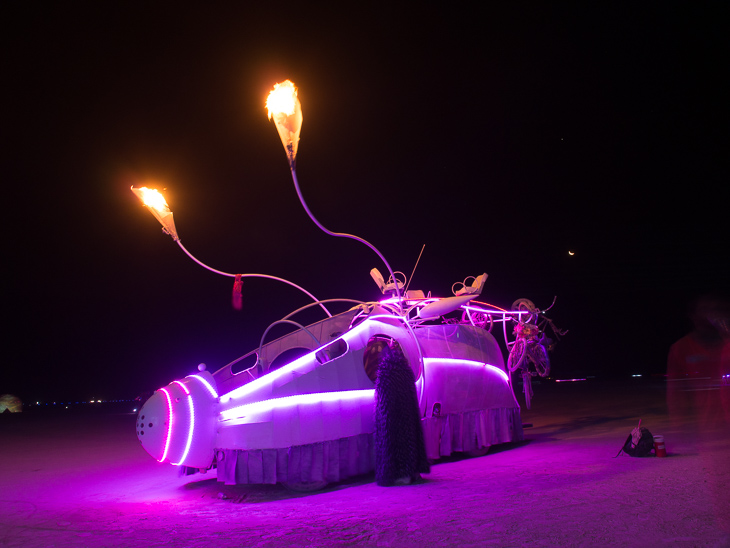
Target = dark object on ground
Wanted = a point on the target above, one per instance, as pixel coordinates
(400, 452)
(640, 443)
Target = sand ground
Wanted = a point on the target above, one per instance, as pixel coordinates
(84, 480)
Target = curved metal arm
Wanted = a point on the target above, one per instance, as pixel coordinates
(290, 322)
(321, 302)
(315, 299)
(292, 166)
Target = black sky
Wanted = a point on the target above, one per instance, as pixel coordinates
(500, 140)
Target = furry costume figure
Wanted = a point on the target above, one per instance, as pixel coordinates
(400, 453)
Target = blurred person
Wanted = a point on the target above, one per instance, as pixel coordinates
(698, 367)
(698, 399)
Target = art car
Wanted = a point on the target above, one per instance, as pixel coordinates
(299, 409)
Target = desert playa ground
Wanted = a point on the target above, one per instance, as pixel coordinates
(82, 479)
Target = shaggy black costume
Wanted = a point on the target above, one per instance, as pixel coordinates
(400, 453)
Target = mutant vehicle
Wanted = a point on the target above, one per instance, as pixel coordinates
(299, 409)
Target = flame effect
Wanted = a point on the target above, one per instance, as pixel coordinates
(157, 205)
(286, 110)
(282, 99)
(153, 198)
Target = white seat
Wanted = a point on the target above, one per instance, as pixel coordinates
(475, 288)
(378, 277)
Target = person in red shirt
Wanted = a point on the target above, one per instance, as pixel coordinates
(698, 367)
(698, 399)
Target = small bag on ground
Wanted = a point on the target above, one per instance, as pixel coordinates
(640, 443)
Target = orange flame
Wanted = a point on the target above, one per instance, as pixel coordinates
(153, 198)
(282, 99)
(157, 205)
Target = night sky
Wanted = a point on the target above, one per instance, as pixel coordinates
(500, 140)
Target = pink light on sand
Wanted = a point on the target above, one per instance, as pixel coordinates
(291, 401)
(192, 423)
(169, 424)
(472, 363)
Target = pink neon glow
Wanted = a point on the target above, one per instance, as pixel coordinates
(192, 423)
(206, 384)
(472, 363)
(290, 401)
(569, 380)
(487, 304)
(411, 301)
(269, 378)
(361, 327)
(307, 359)
(169, 424)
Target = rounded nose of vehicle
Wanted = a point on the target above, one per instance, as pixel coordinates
(178, 423)
(153, 422)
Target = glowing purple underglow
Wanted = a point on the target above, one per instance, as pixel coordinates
(569, 380)
(206, 384)
(192, 423)
(169, 424)
(472, 363)
(290, 401)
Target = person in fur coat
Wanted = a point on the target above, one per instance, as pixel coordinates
(400, 452)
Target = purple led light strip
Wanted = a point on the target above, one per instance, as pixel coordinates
(273, 375)
(269, 378)
(291, 401)
(206, 384)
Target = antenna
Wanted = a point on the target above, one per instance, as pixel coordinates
(405, 291)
